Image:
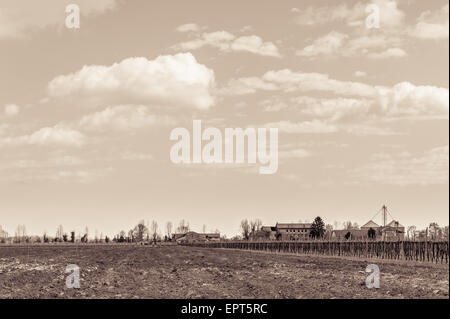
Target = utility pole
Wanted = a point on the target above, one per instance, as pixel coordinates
(384, 209)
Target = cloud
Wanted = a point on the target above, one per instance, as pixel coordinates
(402, 100)
(132, 156)
(57, 135)
(50, 162)
(122, 118)
(289, 81)
(307, 127)
(430, 167)
(432, 25)
(325, 45)
(19, 18)
(335, 44)
(176, 80)
(227, 42)
(188, 27)
(360, 74)
(390, 14)
(255, 44)
(11, 109)
(389, 53)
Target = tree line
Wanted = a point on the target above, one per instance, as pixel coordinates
(143, 231)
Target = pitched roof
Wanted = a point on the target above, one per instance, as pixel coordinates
(394, 223)
(371, 224)
(294, 225)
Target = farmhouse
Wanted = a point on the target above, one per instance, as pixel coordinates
(293, 231)
(284, 231)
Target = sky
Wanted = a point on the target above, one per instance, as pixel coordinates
(86, 113)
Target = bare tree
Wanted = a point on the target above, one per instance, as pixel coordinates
(255, 225)
(154, 230)
(139, 231)
(59, 233)
(435, 231)
(169, 230)
(183, 227)
(445, 232)
(348, 225)
(20, 234)
(204, 229)
(412, 232)
(245, 229)
(3, 235)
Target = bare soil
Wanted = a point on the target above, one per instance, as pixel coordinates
(116, 271)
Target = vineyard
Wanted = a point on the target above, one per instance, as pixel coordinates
(420, 251)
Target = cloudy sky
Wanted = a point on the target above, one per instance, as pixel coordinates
(86, 114)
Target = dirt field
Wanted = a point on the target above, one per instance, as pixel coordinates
(187, 272)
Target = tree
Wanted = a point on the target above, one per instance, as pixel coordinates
(72, 236)
(65, 238)
(121, 236)
(59, 233)
(317, 228)
(328, 230)
(445, 233)
(169, 230)
(154, 230)
(183, 227)
(348, 225)
(412, 232)
(245, 229)
(204, 229)
(20, 234)
(435, 231)
(45, 238)
(255, 225)
(139, 230)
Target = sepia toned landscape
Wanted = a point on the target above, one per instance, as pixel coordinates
(198, 149)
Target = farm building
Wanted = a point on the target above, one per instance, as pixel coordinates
(293, 231)
(265, 233)
(193, 237)
(284, 231)
(349, 234)
(370, 224)
(392, 231)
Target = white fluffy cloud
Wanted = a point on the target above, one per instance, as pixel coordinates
(188, 27)
(177, 80)
(390, 14)
(306, 127)
(11, 109)
(57, 135)
(336, 44)
(360, 74)
(228, 42)
(426, 168)
(122, 118)
(403, 99)
(19, 17)
(432, 24)
(325, 45)
(389, 53)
